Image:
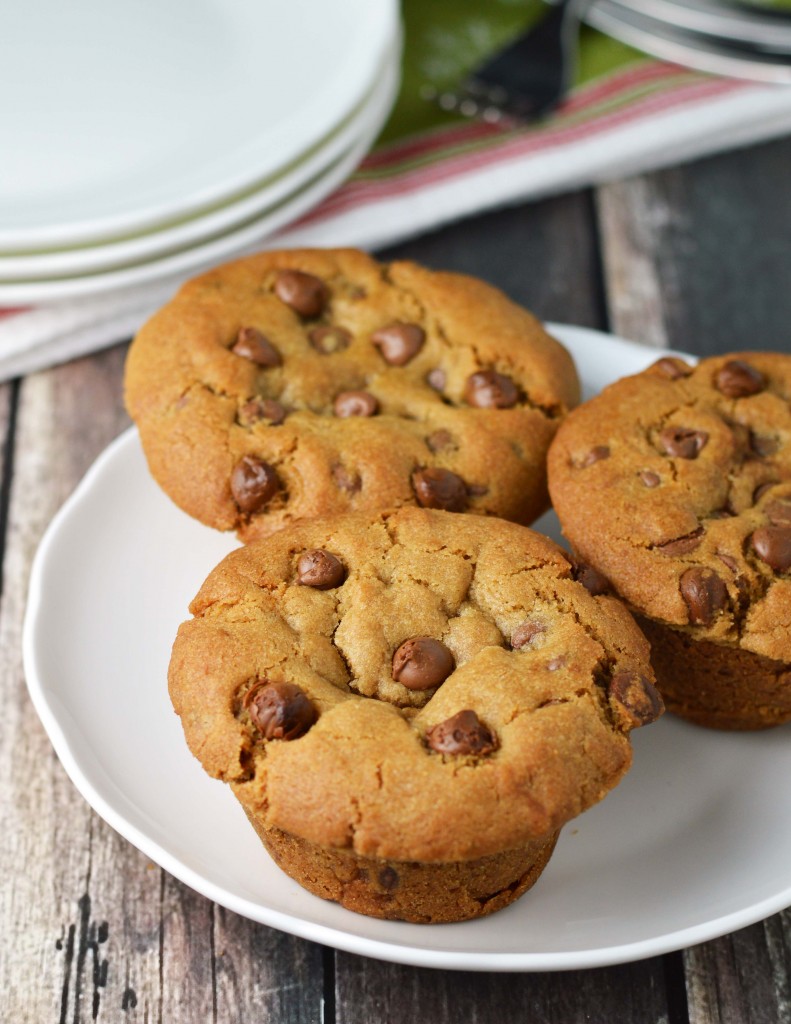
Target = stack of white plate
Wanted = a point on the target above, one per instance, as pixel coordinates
(750, 40)
(147, 139)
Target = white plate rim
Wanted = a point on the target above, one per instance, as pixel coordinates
(233, 242)
(718, 20)
(691, 49)
(338, 938)
(329, 109)
(204, 225)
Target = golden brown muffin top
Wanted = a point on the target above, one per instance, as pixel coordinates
(314, 382)
(676, 485)
(415, 685)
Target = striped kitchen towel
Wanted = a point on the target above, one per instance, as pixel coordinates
(626, 114)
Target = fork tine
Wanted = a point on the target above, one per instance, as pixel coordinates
(526, 79)
(530, 75)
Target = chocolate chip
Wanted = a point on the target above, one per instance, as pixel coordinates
(636, 697)
(737, 379)
(305, 293)
(477, 490)
(671, 368)
(439, 488)
(280, 711)
(422, 663)
(683, 442)
(526, 633)
(591, 579)
(488, 389)
(388, 878)
(258, 409)
(682, 545)
(320, 569)
(439, 440)
(779, 513)
(328, 340)
(253, 483)
(399, 342)
(772, 544)
(463, 734)
(355, 403)
(728, 560)
(252, 344)
(596, 454)
(437, 379)
(704, 594)
(346, 481)
(649, 478)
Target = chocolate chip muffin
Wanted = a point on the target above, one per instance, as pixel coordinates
(676, 485)
(304, 383)
(409, 705)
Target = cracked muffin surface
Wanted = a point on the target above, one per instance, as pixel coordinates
(441, 690)
(676, 485)
(313, 382)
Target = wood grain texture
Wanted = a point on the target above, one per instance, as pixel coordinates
(367, 990)
(90, 930)
(8, 396)
(265, 975)
(40, 814)
(699, 256)
(743, 978)
(630, 219)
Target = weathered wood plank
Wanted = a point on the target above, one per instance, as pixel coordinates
(630, 219)
(90, 930)
(743, 978)
(367, 990)
(704, 252)
(265, 975)
(7, 411)
(40, 814)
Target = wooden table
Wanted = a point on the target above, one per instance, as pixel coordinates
(698, 258)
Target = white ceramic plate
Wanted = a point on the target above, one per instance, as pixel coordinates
(233, 242)
(368, 117)
(121, 117)
(694, 843)
(718, 19)
(713, 54)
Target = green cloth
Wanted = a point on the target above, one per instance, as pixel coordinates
(444, 39)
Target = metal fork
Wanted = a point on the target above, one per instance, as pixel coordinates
(524, 81)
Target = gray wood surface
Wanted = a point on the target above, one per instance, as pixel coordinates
(699, 258)
(367, 990)
(743, 976)
(713, 244)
